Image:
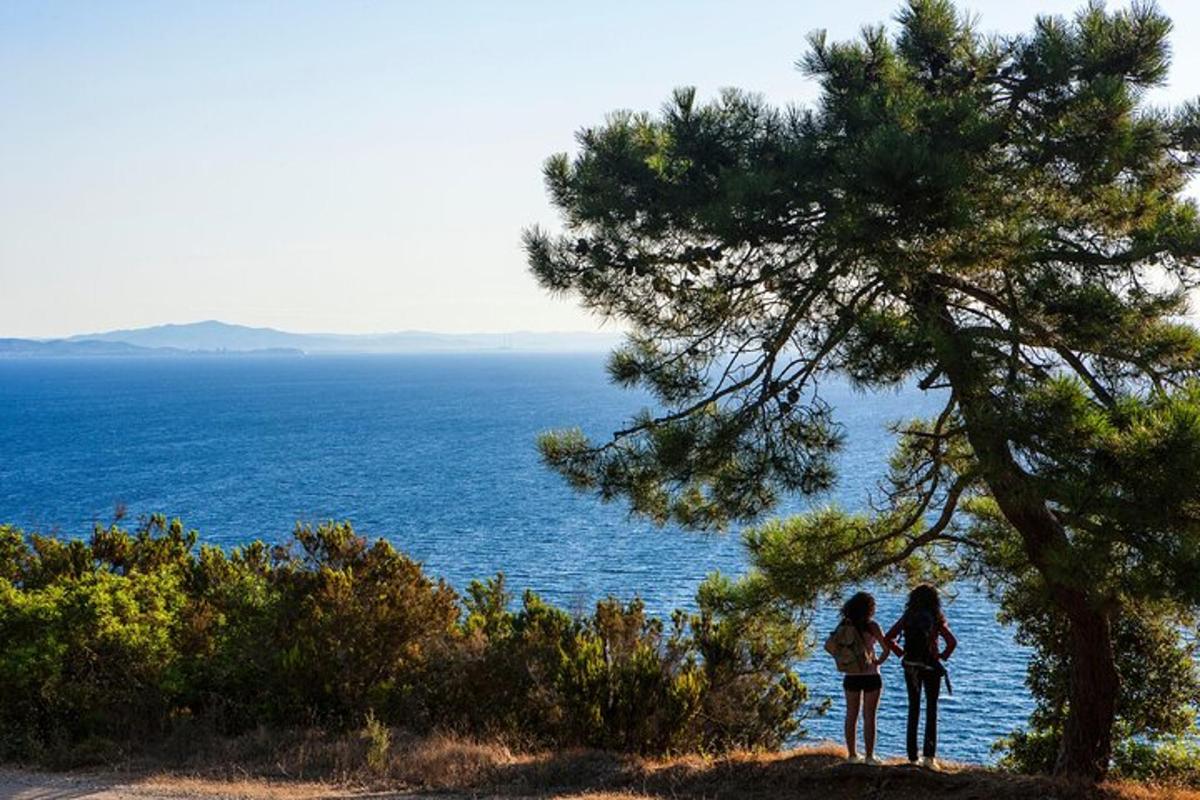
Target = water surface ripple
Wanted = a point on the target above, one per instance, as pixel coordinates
(435, 453)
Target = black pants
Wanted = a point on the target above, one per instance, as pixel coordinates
(916, 679)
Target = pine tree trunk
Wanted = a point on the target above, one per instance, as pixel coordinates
(1086, 746)
(1087, 738)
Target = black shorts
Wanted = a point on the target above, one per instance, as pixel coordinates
(862, 683)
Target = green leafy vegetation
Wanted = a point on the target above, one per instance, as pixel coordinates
(1157, 658)
(1002, 220)
(128, 636)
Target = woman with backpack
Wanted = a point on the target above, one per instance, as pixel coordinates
(923, 624)
(852, 644)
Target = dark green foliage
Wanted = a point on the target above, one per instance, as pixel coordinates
(120, 638)
(998, 219)
(1157, 657)
(1173, 760)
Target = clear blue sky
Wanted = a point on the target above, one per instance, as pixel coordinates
(348, 166)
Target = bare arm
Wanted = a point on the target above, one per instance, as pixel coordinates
(889, 640)
(951, 641)
(877, 632)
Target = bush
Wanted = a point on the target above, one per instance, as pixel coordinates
(1174, 760)
(709, 681)
(86, 653)
(128, 636)
(1158, 698)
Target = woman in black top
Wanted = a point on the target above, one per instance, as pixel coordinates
(923, 625)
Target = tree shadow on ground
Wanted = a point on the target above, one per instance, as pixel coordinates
(819, 774)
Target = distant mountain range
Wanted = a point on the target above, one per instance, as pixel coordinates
(213, 337)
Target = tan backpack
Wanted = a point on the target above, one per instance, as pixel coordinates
(847, 647)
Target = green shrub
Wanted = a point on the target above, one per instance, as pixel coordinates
(707, 681)
(1175, 760)
(127, 636)
(88, 655)
(379, 743)
(1159, 693)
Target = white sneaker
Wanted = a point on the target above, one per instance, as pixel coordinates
(872, 761)
(929, 762)
(854, 759)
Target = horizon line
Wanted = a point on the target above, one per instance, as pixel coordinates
(554, 332)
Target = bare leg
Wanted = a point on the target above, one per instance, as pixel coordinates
(852, 700)
(870, 706)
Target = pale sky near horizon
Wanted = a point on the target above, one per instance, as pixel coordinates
(350, 166)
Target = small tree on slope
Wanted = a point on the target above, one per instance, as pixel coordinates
(996, 219)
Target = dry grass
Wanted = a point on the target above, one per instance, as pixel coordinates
(308, 764)
(1133, 791)
(245, 789)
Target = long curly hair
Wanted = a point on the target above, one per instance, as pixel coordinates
(924, 597)
(859, 610)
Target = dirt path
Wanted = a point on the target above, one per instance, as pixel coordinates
(28, 785)
(764, 778)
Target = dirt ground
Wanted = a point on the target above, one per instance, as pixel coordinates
(28, 785)
(783, 776)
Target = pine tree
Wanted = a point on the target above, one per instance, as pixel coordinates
(1001, 220)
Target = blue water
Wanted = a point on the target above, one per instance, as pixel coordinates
(435, 453)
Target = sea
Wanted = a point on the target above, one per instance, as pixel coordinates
(436, 453)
